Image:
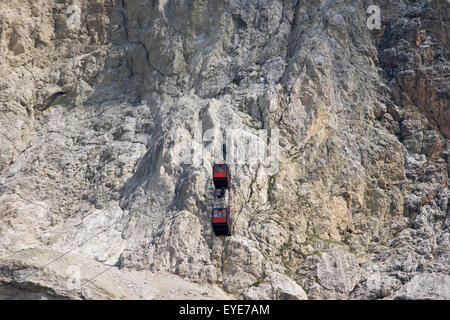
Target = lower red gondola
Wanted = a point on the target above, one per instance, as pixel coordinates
(221, 221)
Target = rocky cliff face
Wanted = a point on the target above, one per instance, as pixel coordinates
(101, 99)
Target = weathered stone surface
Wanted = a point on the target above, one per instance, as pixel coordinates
(426, 286)
(276, 286)
(76, 277)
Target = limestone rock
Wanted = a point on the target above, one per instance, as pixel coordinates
(276, 286)
(75, 277)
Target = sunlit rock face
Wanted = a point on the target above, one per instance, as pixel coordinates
(112, 114)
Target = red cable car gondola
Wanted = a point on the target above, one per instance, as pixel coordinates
(221, 176)
(221, 221)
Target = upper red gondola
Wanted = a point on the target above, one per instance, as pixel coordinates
(221, 176)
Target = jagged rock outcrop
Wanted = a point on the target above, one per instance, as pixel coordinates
(97, 122)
